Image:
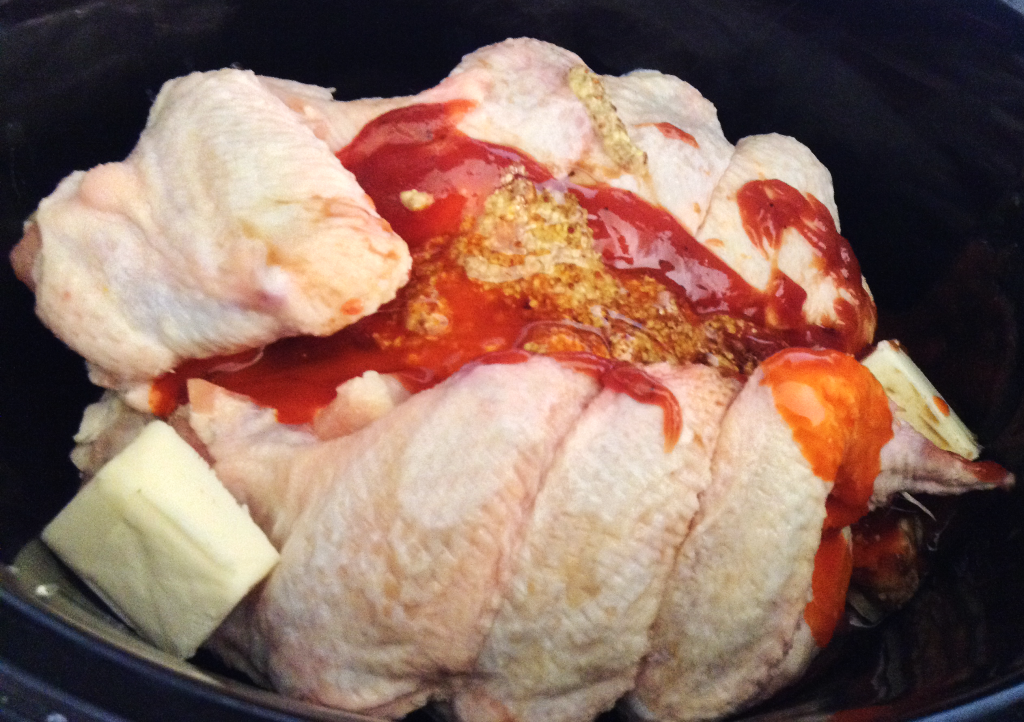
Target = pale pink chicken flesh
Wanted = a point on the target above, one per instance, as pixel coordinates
(232, 224)
(518, 542)
(554, 568)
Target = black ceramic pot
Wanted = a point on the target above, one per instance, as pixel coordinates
(916, 107)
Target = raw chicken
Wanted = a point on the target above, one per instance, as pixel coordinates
(532, 537)
(564, 561)
(594, 561)
(230, 225)
(522, 99)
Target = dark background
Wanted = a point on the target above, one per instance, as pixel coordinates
(917, 108)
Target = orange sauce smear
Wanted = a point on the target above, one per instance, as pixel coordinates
(840, 418)
(833, 569)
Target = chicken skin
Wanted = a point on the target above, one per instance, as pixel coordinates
(230, 225)
(572, 560)
(547, 394)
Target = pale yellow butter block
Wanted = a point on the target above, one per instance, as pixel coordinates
(161, 540)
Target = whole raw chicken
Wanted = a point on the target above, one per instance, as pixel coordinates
(584, 424)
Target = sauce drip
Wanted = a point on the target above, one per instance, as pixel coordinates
(299, 376)
(633, 236)
(840, 418)
(628, 379)
(768, 208)
(990, 472)
(618, 376)
(425, 338)
(670, 131)
(833, 568)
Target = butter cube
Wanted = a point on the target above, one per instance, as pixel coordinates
(158, 537)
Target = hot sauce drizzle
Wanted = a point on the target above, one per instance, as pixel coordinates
(638, 385)
(418, 148)
(840, 418)
(670, 131)
(770, 207)
(618, 376)
(633, 381)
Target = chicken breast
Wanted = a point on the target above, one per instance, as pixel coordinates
(613, 510)
(583, 551)
(387, 587)
(230, 225)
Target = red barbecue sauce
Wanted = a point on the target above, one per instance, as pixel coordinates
(419, 147)
(672, 132)
(990, 472)
(619, 376)
(839, 415)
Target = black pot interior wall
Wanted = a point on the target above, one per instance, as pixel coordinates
(917, 108)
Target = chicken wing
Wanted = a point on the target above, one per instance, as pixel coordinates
(230, 225)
